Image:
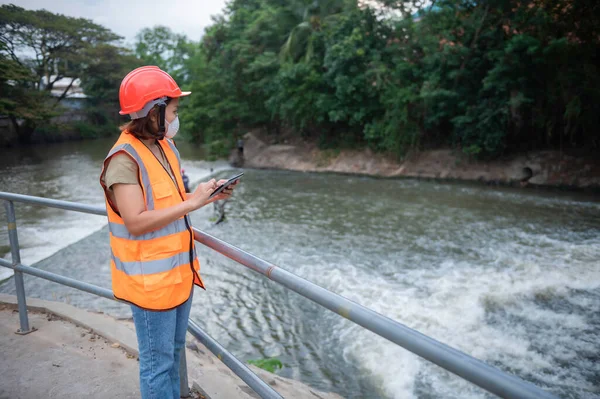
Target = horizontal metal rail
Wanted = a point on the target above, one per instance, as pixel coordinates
(239, 368)
(57, 278)
(232, 362)
(52, 203)
(471, 369)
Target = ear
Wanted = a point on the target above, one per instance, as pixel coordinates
(152, 121)
(153, 114)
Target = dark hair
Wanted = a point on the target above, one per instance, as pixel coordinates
(144, 128)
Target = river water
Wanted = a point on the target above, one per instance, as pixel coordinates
(509, 276)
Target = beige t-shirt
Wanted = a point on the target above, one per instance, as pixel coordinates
(122, 169)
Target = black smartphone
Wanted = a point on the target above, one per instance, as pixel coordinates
(226, 184)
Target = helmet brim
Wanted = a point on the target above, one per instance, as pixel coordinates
(183, 94)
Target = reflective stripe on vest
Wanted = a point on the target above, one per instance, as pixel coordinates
(175, 150)
(120, 231)
(152, 266)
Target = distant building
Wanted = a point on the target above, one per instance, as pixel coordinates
(73, 106)
(75, 93)
(74, 101)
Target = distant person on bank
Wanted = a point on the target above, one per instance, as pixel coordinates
(186, 181)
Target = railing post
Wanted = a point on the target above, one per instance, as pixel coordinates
(184, 388)
(16, 260)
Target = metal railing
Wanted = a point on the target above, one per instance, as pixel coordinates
(471, 369)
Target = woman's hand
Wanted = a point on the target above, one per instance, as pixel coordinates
(225, 194)
(200, 197)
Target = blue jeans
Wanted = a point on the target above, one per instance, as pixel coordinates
(160, 336)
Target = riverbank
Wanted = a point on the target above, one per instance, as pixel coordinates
(538, 168)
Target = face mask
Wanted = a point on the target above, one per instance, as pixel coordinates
(172, 128)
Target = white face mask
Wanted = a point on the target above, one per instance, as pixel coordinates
(172, 128)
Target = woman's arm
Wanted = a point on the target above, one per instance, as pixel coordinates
(132, 207)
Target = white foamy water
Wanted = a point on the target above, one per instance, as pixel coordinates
(506, 270)
(450, 304)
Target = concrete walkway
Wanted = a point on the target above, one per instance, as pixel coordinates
(75, 354)
(61, 360)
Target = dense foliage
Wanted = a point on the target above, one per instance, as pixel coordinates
(39, 49)
(486, 77)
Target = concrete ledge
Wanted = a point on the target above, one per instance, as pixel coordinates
(101, 324)
(62, 361)
(206, 372)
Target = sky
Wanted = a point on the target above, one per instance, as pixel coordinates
(127, 17)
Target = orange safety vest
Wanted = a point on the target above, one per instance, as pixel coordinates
(154, 270)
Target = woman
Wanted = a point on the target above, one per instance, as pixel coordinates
(153, 259)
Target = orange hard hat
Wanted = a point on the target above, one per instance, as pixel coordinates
(143, 85)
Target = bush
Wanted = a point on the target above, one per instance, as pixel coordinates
(269, 364)
(87, 130)
(218, 149)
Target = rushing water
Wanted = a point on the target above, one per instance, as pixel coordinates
(509, 276)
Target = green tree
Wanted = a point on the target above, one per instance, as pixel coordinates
(309, 15)
(107, 65)
(162, 47)
(42, 48)
(233, 71)
(25, 107)
(484, 77)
